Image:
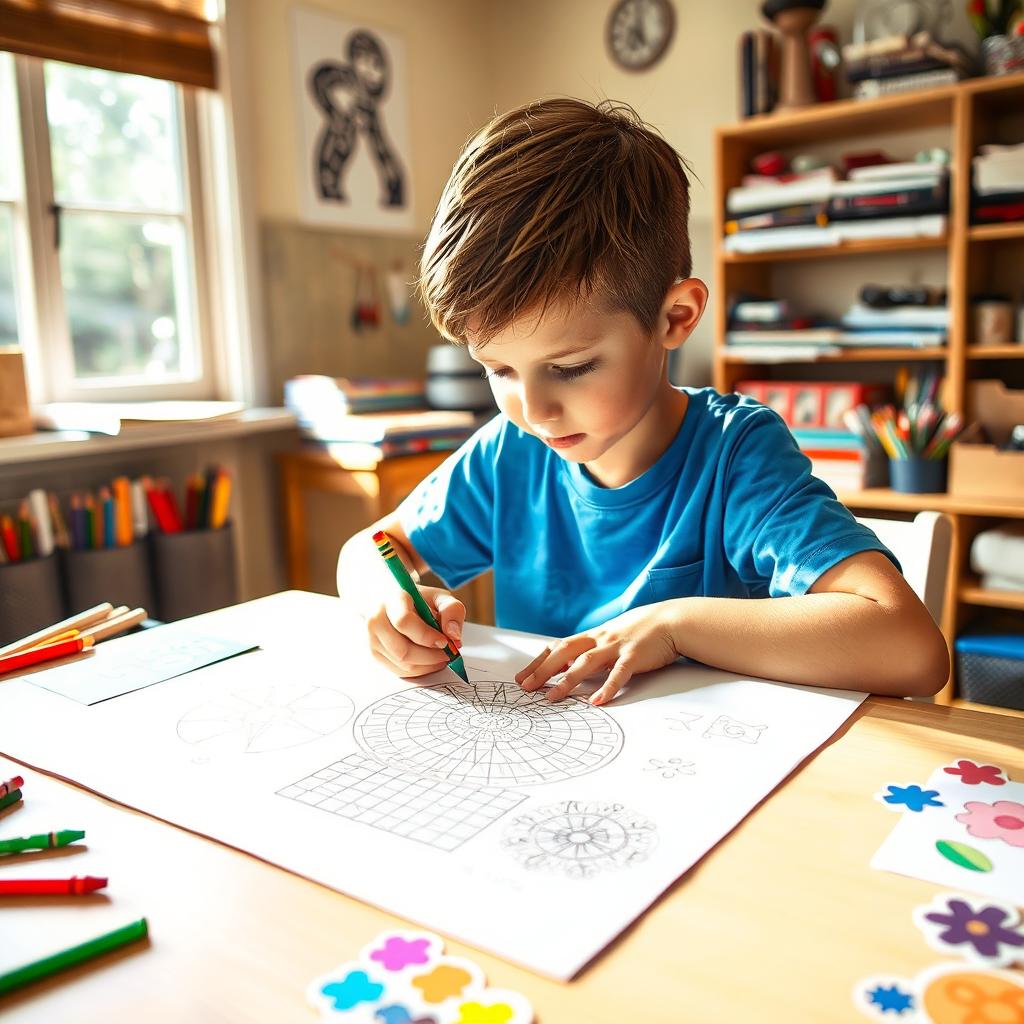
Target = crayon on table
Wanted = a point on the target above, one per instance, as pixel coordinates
(115, 624)
(38, 655)
(42, 841)
(405, 581)
(10, 785)
(12, 798)
(74, 886)
(75, 955)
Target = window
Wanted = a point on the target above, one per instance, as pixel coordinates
(111, 223)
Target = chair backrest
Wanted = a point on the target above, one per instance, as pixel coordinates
(922, 547)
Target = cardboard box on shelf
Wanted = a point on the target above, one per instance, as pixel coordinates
(15, 416)
(978, 467)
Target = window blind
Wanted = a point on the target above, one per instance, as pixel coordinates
(167, 39)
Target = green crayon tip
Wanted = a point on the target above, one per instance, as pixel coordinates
(12, 798)
(42, 841)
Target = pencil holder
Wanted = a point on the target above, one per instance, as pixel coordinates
(30, 597)
(918, 476)
(193, 572)
(118, 575)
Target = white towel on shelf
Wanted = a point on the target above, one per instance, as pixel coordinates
(991, 581)
(1000, 552)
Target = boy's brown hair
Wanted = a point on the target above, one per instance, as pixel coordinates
(558, 200)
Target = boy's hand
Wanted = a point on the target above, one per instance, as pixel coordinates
(639, 640)
(403, 642)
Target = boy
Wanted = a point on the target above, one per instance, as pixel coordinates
(633, 518)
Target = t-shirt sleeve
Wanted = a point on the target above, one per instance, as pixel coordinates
(783, 527)
(449, 517)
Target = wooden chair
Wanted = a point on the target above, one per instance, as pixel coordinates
(922, 547)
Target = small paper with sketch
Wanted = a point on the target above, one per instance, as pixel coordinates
(130, 663)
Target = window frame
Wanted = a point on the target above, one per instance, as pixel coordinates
(43, 325)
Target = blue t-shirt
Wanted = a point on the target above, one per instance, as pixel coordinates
(729, 510)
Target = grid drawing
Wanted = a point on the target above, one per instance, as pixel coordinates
(488, 732)
(440, 814)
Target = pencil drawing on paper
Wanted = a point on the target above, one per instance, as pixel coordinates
(580, 840)
(671, 767)
(488, 732)
(265, 718)
(733, 729)
(441, 814)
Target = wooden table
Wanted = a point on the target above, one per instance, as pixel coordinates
(777, 923)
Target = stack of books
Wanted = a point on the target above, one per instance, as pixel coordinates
(912, 326)
(815, 209)
(759, 72)
(352, 420)
(309, 394)
(898, 63)
(998, 188)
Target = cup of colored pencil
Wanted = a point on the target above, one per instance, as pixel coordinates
(917, 437)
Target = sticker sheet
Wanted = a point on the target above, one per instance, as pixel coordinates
(962, 828)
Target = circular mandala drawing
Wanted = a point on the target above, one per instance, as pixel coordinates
(264, 718)
(580, 839)
(488, 733)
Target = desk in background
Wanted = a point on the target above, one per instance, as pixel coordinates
(776, 923)
(385, 485)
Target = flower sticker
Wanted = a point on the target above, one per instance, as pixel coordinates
(914, 798)
(972, 774)
(442, 983)
(353, 989)
(886, 998)
(476, 1013)
(967, 994)
(988, 933)
(1002, 820)
(397, 954)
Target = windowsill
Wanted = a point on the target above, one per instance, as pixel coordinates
(60, 444)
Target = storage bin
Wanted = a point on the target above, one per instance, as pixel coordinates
(990, 669)
(30, 597)
(193, 572)
(118, 575)
(978, 469)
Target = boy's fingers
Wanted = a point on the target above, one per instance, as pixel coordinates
(564, 653)
(451, 613)
(404, 617)
(586, 664)
(532, 667)
(617, 679)
(400, 650)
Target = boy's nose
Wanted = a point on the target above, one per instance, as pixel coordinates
(538, 407)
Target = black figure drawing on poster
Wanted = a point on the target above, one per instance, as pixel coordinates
(362, 84)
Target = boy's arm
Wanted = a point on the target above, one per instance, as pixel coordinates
(859, 627)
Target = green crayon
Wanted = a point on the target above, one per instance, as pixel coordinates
(75, 955)
(12, 798)
(42, 841)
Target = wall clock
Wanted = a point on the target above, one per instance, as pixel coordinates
(639, 31)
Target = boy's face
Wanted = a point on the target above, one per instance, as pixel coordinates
(579, 378)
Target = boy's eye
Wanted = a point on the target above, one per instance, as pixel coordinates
(572, 372)
(501, 371)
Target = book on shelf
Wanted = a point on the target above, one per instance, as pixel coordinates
(311, 395)
(779, 353)
(367, 455)
(789, 216)
(758, 71)
(866, 337)
(901, 203)
(897, 172)
(110, 417)
(859, 315)
(873, 88)
(835, 233)
(826, 173)
(376, 427)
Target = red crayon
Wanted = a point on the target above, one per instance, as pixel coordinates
(51, 886)
(11, 784)
(49, 652)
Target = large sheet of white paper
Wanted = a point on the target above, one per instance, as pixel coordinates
(537, 831)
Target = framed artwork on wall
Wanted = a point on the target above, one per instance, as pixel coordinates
(353, 118)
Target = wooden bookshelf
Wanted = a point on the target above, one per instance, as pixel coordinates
(978, 258)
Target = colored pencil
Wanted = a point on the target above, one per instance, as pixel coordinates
(10, 538)
(39, 655)
(91, 522)
(387, 551)
(11, 784)
(75, 955)
(123, 510)
(67, 635)
(12, 798)
(40, 512)
(42, 841)
(107, 505)
(221, 499)
(73, 886)
(77, 621)
(61, 536)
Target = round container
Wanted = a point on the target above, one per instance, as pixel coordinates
(918, 476)
(455, 380)
(1003, 55)
(993, 320)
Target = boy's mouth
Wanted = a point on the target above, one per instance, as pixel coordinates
(567, 441)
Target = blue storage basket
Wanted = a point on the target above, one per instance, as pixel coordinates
(990, 669)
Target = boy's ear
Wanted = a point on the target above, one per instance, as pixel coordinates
(681, 311)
